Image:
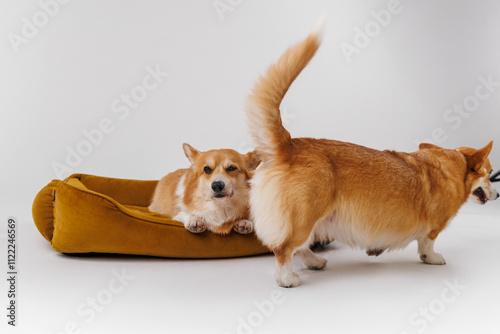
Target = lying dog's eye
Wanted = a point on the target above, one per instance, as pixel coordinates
(207, 170)
(230, 169)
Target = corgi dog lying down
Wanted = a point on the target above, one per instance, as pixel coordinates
(307, 189)
(212, 194)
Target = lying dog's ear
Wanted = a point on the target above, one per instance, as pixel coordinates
(475, 159)
(190, 152)
(423, 146)
(253, 160)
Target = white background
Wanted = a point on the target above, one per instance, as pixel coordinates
(396, 91)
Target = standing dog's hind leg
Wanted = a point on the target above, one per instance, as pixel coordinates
(285, 277)
(311, 260)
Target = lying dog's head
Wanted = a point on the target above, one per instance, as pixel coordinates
(220, 174)
(478, 174)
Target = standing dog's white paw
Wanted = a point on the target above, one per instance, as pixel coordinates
(317, 263)
(286, 278)
(290, 281)
(433, 258)
(196, 225)
(427, 254)
(243, 226)
(311, 260)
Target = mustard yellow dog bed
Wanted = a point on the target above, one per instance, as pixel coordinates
(92, 214)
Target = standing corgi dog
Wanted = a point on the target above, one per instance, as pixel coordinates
(309, 189)
(212, 194)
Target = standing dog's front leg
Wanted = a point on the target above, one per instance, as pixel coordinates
(426, 251)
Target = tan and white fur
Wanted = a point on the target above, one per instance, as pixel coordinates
(323, 189)
(212, 194)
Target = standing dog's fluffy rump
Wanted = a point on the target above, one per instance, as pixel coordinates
(308, 189)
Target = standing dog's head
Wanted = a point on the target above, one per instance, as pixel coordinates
(220, 174)
(478, 174)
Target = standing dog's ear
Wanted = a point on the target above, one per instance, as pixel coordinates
(476, 158)
(253, 160)
(190, 152)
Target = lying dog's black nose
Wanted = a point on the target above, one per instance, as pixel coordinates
(218, 186)
(498, 195)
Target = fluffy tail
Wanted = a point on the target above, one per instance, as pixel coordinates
(262, 108)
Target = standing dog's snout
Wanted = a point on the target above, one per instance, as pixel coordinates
(218, 186)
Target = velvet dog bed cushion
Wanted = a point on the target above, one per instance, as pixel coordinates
(92, 214)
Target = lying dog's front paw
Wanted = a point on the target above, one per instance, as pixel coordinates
(243, 226)
(196, 226)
